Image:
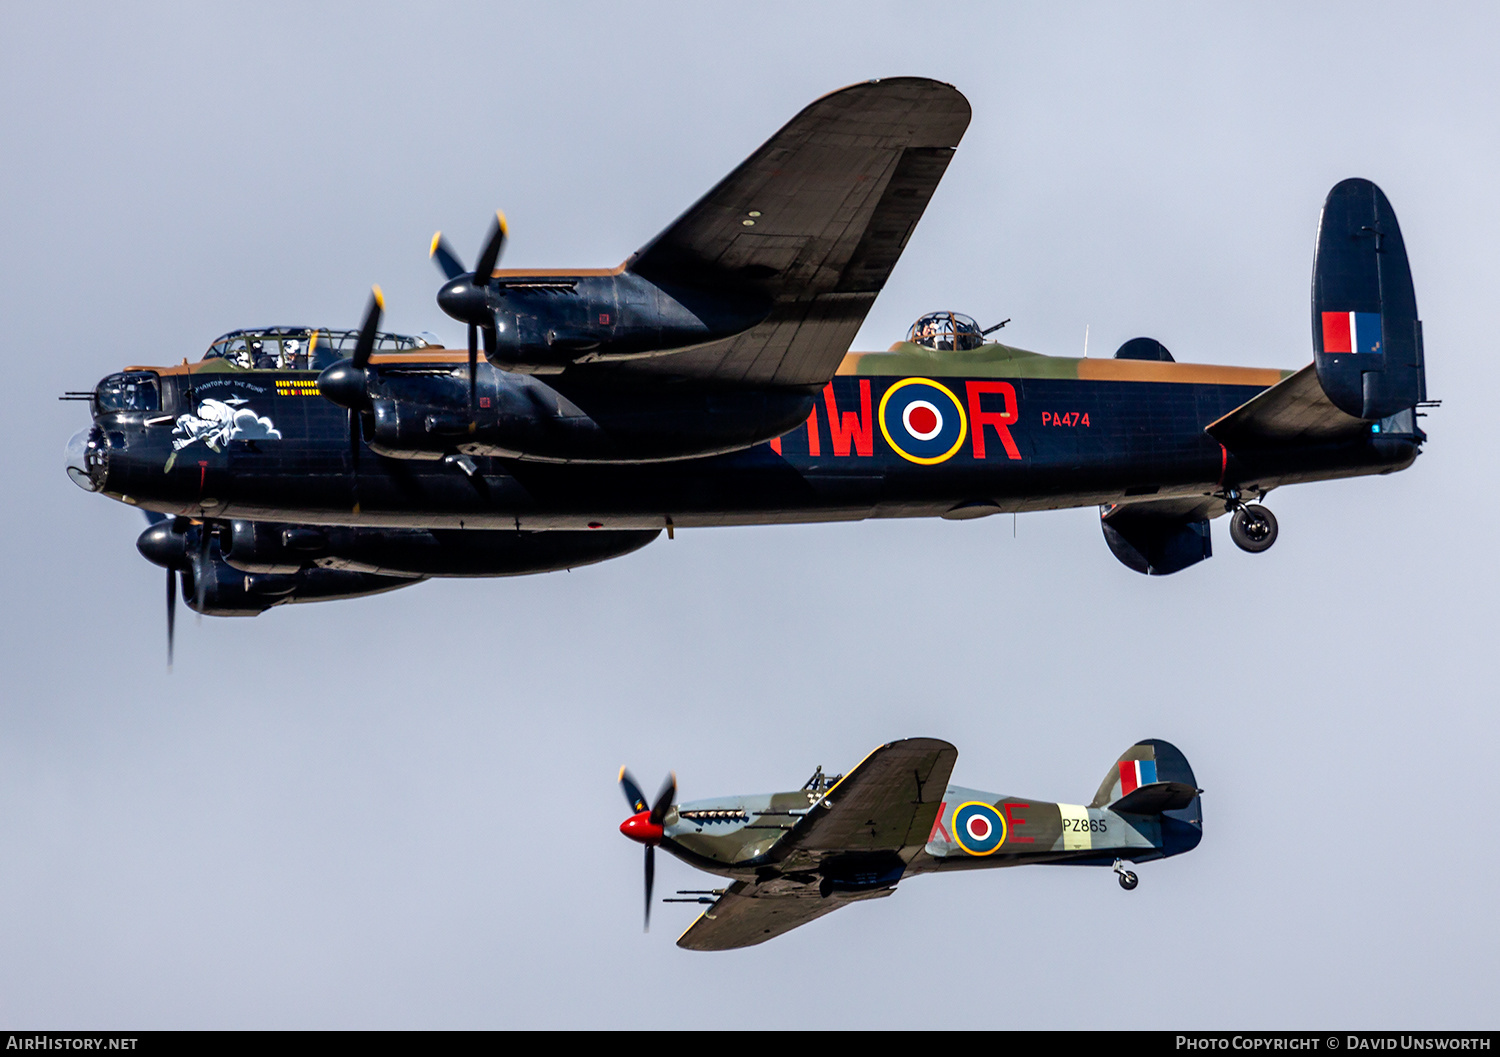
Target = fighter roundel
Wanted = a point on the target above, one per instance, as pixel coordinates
(922, 421)
(978, 828)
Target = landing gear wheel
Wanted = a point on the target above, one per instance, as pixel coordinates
(1253, 528)
(1128, 880)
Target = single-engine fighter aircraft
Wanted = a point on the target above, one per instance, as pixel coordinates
(796, 856)
(708, 381)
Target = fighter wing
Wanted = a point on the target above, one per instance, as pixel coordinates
(888, 802)
(1293, 411)
(749, 914)
(815, 220)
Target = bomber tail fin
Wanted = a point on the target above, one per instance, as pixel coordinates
(1367, 339)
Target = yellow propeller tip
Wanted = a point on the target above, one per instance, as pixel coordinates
(379, 297)
(620, 775)
(504, 227)
(437, 236)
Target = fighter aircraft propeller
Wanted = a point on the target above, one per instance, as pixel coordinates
(645, 826)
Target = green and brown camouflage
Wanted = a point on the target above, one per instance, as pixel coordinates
(795, 856)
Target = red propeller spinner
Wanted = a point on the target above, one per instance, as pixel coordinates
(640, 828)
(645, 826)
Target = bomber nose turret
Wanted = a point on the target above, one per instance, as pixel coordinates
(87, 456)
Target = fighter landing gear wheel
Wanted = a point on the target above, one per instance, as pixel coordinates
(1128, 880)
(1253, 528)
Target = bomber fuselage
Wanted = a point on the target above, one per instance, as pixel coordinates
(906, 433)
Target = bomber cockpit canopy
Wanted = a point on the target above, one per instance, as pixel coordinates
(300, 348)
(946, 332)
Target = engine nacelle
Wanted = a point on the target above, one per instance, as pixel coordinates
(427, 415)
(275, 554)
(267, 547)
(232, 593)
(546, 323)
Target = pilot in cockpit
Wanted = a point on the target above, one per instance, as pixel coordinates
(289, 350)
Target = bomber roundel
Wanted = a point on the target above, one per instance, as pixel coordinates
(978, 828)
(922, 421)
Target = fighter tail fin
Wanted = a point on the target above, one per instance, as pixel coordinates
(1151, 773)
(1153, 778)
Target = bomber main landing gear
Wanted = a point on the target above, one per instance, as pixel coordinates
(1251, 526)
(1128, 879)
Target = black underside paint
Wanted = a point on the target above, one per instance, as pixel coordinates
(1071, 443)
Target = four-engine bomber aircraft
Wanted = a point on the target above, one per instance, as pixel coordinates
(707, 381)
(795, 856)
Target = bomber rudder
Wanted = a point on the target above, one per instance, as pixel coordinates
(1367, 339)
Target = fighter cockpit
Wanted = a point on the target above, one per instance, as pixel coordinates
(300, 348)
(948, 332)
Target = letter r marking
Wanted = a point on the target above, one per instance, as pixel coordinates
(1001, 421)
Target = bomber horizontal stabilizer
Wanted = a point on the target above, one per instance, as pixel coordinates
(1155, 798)
(1293, 411)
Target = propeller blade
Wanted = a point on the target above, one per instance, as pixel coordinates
(171, 613)
(633, 795)
(490, 255)
(365, 344)
(354, 437)
(473, 372)
(446, 259)
(201, 566)
(664, 799)
(650, 880)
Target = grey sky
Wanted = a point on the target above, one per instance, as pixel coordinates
(401, 811)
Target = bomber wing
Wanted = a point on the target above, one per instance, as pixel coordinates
(1172, 508)
(887, 803)
(1293, 411)
(815, 220)
(1160, 536)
